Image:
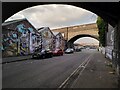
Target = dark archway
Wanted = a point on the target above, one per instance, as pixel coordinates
(108, 11)
(70, 43)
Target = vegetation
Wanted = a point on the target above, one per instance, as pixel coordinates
(102, 27)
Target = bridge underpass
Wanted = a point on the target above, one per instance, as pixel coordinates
(108, 11)
(72, 33)
(70, 43)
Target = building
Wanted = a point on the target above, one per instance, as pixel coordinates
(109, 42)
(47, 38)
(18, 38)
(59, 41)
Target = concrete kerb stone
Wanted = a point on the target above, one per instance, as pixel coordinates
(15, 59)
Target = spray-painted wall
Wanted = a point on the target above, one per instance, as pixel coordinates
(59, 42)
(47, 38)
(17, 38)
(109, 42)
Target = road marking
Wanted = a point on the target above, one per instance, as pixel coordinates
(81, 67)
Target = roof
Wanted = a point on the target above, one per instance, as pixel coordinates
(18, 20)
(13, 21)
(43, 28)
(55, 33)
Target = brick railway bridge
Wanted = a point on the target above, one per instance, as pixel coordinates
(73, 33)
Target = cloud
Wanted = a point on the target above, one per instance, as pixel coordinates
(56, 16)
(16, 16)
(87, 40)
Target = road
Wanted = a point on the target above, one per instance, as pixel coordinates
(43, 73)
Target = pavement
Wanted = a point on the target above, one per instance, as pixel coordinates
(14, 59)
(97, 74)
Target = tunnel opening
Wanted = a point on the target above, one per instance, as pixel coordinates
(111, 16)
(70, 43)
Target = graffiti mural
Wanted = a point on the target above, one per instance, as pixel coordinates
(24, 36)
(47, 39)
(35, 41)
(59, 41)
(18, 38)
(9, 43)
(17, 42)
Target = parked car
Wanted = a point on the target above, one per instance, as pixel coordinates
(69, 50)
(58, 52)
(48, 53)
(78, 50)
(38, 53)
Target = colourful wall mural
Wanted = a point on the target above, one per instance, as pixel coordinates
(47, 39)
(17, 39)
(20, 38)
(9, 43)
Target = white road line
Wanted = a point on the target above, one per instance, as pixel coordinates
(76, 70)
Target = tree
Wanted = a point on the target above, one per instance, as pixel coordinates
(102, 27)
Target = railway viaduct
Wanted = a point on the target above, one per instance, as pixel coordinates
(72, 33)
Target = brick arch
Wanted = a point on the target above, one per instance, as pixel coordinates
(70, 32)
(71, 41)
(82, 35)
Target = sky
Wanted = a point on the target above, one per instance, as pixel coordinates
(55, 16)
(87, 40)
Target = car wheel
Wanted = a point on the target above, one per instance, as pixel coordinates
(43, 56)
(32, 57)
(50, 56)
(38, 57)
